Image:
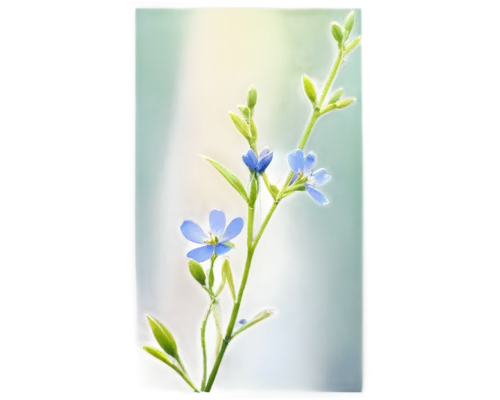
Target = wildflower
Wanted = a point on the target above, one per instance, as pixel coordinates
(258, 165)
(302, 166)
(216, 240)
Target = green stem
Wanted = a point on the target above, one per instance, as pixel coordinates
(203, 345)
(251, 245)
(182, 372)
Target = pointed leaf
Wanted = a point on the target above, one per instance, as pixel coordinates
(163, 337)
(165, 359)
(310, 89)
(227, 275)
(197, 272)
(348, 25)
(230, 177)
(344, 103)
(210, 274)
(245, 111)
(241, 125)
(259, 317)
(274, 190)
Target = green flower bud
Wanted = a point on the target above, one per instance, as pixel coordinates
(348, 25)
(241, 125)
(251, 97)
(344, 103)
(310, 89)
(337, 33)
(352, 45)
(336, 96)
(163, 337)
(197, 272)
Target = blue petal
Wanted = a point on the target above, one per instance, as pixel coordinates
(221, 248)
(296, 160)
(217, 222)
(320, 177)
(193, 232)
(201, 254)
(264, 152)
(264, 162)
(317, 195)
(294, 178)
(309, 163)
(233, 229)
(250, 159)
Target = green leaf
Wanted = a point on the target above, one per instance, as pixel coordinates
(230, 244)
(274, 190)
(241, 125)
(197, 272)
(254, 190)
(230, 177)
(353, 44)
(163, 337)
(165, 359)
(159, 355)
(348, 25)
(337, 32)
(310, 89)
(254, 130)
(227, 275)
(210, 273)
(336, 96)
(245, 111)
(217, 319)
(259, 317)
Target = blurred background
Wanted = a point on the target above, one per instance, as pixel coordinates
(192, 67)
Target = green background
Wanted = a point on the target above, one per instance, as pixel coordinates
(192, 67)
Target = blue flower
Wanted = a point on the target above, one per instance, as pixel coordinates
(239, 323)
(215, 240)
(258, 165)
(302, 166)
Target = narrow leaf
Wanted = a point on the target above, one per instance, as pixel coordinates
(241, 125)
(348, 25)
(274, 190)
(254, 130)
(310, 89)
(177, 368)
(344, 103)
(197, 272)
(217, 319)
(227, 275)
(259, 317)
(210, 273)
(163, 337)
(245, 111)
(337, 33)
(230, 177)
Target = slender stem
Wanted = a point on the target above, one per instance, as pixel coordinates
(236, 307)
(253, 244)
(203, 345)
(182, 372)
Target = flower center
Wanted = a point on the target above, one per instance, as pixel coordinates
(212, 239)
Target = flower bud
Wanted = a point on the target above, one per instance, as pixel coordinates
(352, 45)
(253, 130)
(344, 103)
(336, 96)
(251, 97)
(348, 25)
(310, 89)
(197, 272)
(337, 33)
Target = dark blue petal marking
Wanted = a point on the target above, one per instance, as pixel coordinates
(264, 162)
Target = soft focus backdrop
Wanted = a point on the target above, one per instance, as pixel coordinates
(193, 66)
